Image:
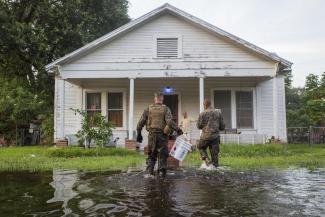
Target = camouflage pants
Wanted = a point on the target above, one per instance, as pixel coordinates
(157, 149)
(213, 146)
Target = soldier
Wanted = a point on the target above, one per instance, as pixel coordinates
(210, 122)
(159, 122)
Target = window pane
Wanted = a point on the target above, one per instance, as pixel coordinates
(93, 101)
(244, 108)
(222, 100)
(116, 118)
(115, 109)
(115, 101)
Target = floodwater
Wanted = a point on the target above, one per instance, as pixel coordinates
(184, 192)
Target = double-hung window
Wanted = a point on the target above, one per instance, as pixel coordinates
(239, 103)
(244, 109)
(115, 108)
(93, 101)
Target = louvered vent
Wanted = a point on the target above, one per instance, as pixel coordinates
(167, 47)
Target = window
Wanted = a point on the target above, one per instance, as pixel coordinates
(167, 47)
(244, 109)
(93, 101)
(222, 100)
(115, 109)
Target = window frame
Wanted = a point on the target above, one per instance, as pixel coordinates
(86, 102)
(122, 109)
(104, 104)
(251, 92)
(234, 107)
(179, 45)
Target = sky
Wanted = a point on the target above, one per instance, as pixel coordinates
(294, 29)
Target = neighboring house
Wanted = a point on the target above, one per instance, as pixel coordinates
(170, 50)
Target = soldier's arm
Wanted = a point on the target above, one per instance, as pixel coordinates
(199, 123)
(143, 120)
(169, 120)
(222, 124)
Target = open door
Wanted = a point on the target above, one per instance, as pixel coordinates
(171, 101)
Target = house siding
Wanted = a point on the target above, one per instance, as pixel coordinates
(202, 51)
(73, 99)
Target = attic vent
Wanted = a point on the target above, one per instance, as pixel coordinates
(167, 47)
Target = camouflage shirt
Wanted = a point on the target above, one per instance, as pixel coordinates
(168, 119)
(210, 122)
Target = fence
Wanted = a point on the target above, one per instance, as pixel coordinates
(309, 135)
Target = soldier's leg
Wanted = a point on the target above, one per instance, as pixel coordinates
(162, 154)
(214, 151)
(152, 153)
(202, 146)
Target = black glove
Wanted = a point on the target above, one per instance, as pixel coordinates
(179, 131)
(139, 137)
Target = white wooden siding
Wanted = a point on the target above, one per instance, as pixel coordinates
(202, 52)
(73, 99)
(281, 109)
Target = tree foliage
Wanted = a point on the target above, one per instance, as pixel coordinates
(306, 106)
(33, 33)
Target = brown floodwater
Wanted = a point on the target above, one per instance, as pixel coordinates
(184, 192)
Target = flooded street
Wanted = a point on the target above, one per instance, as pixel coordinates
(184, 192)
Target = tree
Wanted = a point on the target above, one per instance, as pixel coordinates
(17, 107)
(33, 33)
(312, 82)
(314, 98)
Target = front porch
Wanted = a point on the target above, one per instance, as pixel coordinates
(123, 100)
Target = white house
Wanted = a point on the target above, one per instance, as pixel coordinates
(189, 59)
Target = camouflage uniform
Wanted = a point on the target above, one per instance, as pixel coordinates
(156, 117)
(211, 122)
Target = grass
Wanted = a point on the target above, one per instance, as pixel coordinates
(38, 158)
(267, 156)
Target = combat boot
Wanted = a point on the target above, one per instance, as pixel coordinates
(162, 173)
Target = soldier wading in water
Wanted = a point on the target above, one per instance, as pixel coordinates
(210, 122)
(159, 123)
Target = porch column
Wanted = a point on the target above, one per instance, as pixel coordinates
(62, 103)
(201, 79)
(131, 108)
(275, 108)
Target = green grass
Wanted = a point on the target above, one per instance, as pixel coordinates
(267, 156)
(38, 158)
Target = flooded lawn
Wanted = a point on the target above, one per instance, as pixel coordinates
(184, 192)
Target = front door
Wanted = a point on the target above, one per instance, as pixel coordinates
(171, 101)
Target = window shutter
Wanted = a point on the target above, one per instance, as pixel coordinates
(167, 47)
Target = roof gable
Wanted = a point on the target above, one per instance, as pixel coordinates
(167, 8)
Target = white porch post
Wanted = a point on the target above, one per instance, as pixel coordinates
(275, 108)
(201, 93)
(131, 108)
(62, 93)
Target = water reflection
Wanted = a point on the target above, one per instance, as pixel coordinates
(63, 183)
(183, 193)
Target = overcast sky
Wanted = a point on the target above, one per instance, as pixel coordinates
(294, 29)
